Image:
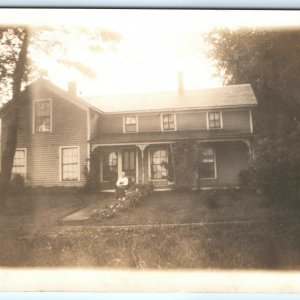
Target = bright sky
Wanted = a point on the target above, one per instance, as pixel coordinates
(155, 45)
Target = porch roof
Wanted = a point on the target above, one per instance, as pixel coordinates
(144, 137)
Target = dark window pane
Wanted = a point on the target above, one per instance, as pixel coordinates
(206, 166)
(214, 120)
(42, 116)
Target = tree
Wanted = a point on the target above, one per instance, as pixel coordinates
(16, 62)
(19, 46)
(268, 59)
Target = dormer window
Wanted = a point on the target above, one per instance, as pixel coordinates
(214, 120)
(42, 118)
(168, 122)
(130, 124)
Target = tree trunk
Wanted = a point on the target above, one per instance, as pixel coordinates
(13, 118)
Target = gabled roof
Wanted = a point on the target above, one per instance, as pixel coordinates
(43, 83)
(62, 93)
(227, 96)
(222, 97)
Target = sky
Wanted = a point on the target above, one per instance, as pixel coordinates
(155, 45)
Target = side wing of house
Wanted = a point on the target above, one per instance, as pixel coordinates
(52, 147)
(140, 144)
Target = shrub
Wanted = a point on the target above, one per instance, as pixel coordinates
(276, 169)
(134, 197)
(144, 189)
(244, 178)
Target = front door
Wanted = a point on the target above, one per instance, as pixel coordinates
(110, 168)
(129, 164)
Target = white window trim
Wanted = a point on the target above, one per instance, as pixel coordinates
(33, 115)
(162, 123)
(215, 168)
(60, 163)
(136, 124)
(251, 120)
(207, 120)
(149, 165)
(25, 151)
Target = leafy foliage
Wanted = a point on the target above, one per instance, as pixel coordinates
(185, 155)
(276, 169)
(268, 59)
(20, 46)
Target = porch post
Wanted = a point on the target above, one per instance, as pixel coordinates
(142, 148)
(250, 149)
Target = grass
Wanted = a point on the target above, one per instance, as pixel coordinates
(247, 246)
(194, 207)
(271, 242)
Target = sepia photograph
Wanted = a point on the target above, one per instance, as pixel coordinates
(162, 145)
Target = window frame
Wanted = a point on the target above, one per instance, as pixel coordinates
(162, 122)
(150, 155)
(215, 165)
(25, 159)
(124, 123)
(61, 161)
(34, 117)
(207, 120)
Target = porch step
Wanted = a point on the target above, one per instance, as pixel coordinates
(162, 185)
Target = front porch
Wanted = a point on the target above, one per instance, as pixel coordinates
(142, 163)
(215, 164)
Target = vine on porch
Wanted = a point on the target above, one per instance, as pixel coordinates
(184, 158)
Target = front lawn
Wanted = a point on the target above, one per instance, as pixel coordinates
(224, 229)
(271, 246)
(197, 207)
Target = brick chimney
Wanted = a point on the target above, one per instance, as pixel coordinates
(72, 87)
(180, 82)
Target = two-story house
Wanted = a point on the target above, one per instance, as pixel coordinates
(59, 132)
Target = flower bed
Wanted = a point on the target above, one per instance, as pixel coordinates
(134, 196)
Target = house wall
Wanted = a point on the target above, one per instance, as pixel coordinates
(234, 119)
(69, 128)
(111, 124)
(149, 123)
(94, 122)
(231, 158)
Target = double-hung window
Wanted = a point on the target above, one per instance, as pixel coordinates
(214, 120)
(130, 123)
(42, 115)
(168, 122)
(69, 163)
(19, 164)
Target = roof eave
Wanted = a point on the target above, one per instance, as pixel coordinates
(181, 109)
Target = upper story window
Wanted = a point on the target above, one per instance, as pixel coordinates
(130, 124)
(214, 120)
(168, 122)
(42, 117)
(19, 164)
